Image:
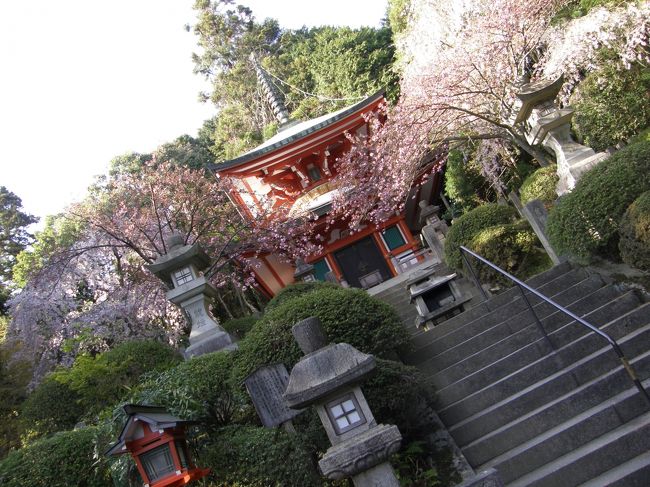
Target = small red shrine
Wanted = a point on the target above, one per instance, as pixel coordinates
(156, 441)
(295, 167)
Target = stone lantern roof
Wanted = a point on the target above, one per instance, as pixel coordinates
(325, 369)
(178, 255)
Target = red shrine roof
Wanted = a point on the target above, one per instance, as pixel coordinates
(301, 130)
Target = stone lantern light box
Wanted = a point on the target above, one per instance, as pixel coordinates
(181, 269)
(156, 441)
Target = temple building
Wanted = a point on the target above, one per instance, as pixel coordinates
(295, 168)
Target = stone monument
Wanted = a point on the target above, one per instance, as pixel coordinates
(266, 386)
(181, 269)
(547, 124)
(328, 377)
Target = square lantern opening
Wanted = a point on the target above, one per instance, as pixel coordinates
(158, 463)
(183, 275)
(345, 413)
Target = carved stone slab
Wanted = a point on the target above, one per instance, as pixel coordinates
(266, 387)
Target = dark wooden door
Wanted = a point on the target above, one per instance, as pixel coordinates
(362, 260)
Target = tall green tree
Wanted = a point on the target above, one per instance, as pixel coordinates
(337, 65)
(14, 237)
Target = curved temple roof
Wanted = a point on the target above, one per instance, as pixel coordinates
(297, 131)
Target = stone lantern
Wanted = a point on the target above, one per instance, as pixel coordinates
(304, 272)
(156, 441)
(180, 268)
(328, 377)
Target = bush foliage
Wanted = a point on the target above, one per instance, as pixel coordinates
(513, 247)
(297, 289)
(252, 456)
(91, 385)
(586, 221)
(198, 389)
(612, 105)
(466, 227)
(634, 244)
(238, 327)
(347, 315)
(540, 185)
(465, 185)
(51, 407)
(102, 380)
(67, 459)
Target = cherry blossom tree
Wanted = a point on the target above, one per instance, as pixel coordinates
(93, 291)
(462, 65)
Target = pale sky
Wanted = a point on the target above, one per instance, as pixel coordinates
(83, 81)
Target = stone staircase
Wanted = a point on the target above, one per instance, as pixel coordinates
(546, 411)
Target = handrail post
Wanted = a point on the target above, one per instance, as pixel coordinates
(474, 276)
(537, 320)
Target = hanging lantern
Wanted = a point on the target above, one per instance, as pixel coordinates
(156, 441)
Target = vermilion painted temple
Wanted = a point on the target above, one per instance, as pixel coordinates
(295, 167)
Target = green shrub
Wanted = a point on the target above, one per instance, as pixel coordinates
(585, 222)
(198, 389)
(399, 394)
(297, 289)
(347, 315)
(471, 223)
(51, 407)
(540, 185)
(634, 243)
(238, 327)
(67, 459)
(513, 247)
(102, 380)
(612, 105)
(250, 456)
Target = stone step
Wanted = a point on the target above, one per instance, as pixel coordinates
(627, 405)
(633, 473)
(479, 335)
(578, 372)
(567, 436)
(594, 458)
(571, 342)
(519, 349)
(486, 307)
(565, 385)
(452, 332)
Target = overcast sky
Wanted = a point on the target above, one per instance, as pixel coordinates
(83, 81)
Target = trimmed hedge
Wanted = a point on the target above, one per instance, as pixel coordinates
(540, 185)
(251, 456)
(466, 227)
(514, 247)
(612, 104)
(634, 244)
(297, 289)
(67, 459)
(348, 315)
(585, 222)
(238, 327)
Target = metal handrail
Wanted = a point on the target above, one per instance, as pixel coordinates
(612, 342)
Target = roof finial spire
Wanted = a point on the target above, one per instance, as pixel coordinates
(271, 92)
